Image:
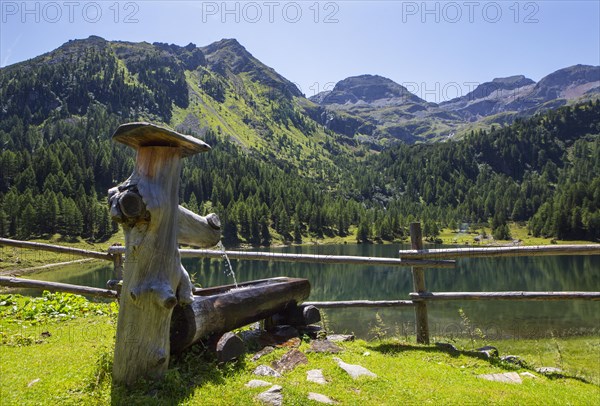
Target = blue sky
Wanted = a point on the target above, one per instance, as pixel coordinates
(437, 49)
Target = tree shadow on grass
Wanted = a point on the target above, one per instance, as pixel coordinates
(187, 372)
(398, 348)
(440, 348)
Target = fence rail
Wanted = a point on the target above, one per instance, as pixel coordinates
(314, 259)
(56, 286)
(504, 296)
(417, 258)
(56, 248)
(528, 251)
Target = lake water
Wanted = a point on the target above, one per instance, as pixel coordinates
(497, 319)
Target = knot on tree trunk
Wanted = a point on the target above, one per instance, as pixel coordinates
(127, 206)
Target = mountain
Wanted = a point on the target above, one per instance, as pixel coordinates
(370, 107)
(195, 89)
(377, 110)
(489, 98)
(286, 168)
(518, 94)
(372, 90)
(229, 58)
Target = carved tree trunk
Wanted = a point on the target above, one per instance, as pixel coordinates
(154, 281)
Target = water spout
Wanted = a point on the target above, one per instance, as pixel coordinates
(228, 268)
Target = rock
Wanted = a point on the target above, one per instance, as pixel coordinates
(354, 371)
(324, 346)
(313, 332)
(293, 342)
(447, 347)
(277, 336)
(528, 374)
(263, 370)
(289, 361)
(489, 351)
(316, 376)
(514, 359)
(336, 338)
(272, 396)
(549, 371)
(317, 397)
(257, 383)
(283, 333)
(506, 377)
(267, 350)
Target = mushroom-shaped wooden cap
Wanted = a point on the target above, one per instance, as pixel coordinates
(142, 134)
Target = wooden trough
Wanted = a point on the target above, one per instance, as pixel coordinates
(218, 310)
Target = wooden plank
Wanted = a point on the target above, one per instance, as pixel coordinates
(56, 248)
(56, 287)
(428, 296)
(418, 274)
(361, 303)
(534, 250)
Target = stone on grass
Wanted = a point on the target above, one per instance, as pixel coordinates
(489, 351)
(264, 370)
(528, 374)
(257, 383)
(293, 342)
(289, 361)
(267, 350)
(514, 359)
(549, 370)
(340, 337)
(447, 347)
(324, 346)
(317, 397)
(354, 371)
(316, 376)
(506, 377)
(272, 396)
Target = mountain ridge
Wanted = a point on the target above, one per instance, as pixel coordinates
(410, 118)
(366, 109)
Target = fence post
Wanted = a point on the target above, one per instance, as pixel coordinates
(418, 274)
(117, 265)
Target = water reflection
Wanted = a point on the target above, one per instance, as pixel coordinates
(497, 319)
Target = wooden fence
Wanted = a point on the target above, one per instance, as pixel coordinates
(418, 259)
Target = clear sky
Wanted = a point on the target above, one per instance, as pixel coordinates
(437, 49)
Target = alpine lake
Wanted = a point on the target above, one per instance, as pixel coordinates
(496, 319)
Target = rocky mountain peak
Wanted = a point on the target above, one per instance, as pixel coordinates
(367, 89)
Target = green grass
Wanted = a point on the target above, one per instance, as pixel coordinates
(517, 231)
(20, 258)
(49, 357)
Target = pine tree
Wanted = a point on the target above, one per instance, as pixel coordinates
(364, 231)
(4, 223)
(265, 234)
